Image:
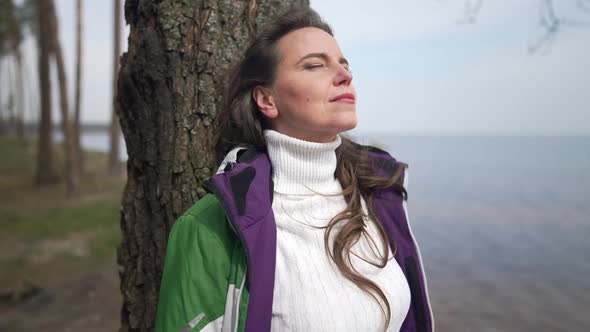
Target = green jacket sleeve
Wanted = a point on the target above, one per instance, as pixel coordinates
(196, 271)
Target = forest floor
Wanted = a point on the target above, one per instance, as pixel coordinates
(58, 268)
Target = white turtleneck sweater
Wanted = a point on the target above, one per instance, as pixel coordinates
(310, 293)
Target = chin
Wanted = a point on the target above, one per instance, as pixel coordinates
(347, 125)
(350, 122)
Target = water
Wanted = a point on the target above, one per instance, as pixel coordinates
(503, 225)
(97, 141)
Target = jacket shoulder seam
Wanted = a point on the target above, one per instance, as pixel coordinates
(196, 210)
(197, 218)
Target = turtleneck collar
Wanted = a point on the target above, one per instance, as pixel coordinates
(302, 167)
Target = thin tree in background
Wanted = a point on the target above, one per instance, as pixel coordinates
(4, 52)
(77, 133)
(72, 169)
(11, 37)
(170, 90)
(27, 16)
(10, 112)
(31, 95)
(19, 91)
(45, 173)
(20, 100)
(2, 125)
(115, 130)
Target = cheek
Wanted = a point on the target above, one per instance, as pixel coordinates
(299, 91)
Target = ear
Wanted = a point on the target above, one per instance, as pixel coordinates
(265, 101)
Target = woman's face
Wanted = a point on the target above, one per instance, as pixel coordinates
(312, 97)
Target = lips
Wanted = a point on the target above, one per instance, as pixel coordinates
(344, 98)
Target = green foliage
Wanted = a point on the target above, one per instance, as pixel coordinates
(59, 220)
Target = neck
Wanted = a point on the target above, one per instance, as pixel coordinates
(302, 167)
(308, 136)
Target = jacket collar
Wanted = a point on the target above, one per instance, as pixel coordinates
(245, 188)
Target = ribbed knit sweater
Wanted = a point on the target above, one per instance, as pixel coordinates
(310, 293)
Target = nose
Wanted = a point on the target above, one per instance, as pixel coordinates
(343, 76)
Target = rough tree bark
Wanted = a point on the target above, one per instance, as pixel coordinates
(115, 130)
(45, 173)
(170, 86)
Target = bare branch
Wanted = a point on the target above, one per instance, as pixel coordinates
(543, 44)
(583, 5)
(471, 11)
(551, 22)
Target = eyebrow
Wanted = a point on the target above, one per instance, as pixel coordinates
(323, 56)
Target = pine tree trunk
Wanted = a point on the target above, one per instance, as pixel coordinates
(170, 87)
(115, 130)
(11, 39)
(78, 87)
(45, 173)
(72, 169)
(20, 100)
(2, 124)
(10, 106)
(16, 52)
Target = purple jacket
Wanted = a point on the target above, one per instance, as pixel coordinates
(245, 190)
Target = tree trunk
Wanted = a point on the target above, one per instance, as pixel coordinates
(32, 100)
(77, 134)
(115, 130)
(170, 86)
(72, 170)
(3, 128)
(20, 100)
(10, 106)
(15, 37)
(45, 173)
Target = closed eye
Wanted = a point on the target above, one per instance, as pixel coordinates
(312, 66)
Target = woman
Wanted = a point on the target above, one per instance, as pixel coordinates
(302, 229)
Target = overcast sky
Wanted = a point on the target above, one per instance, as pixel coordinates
(416, 70)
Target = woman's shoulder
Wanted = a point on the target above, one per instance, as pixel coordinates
(206, 208)
(204, 220)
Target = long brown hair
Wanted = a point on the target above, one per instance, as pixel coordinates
(242, 123)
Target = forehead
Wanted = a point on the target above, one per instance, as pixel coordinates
(300, 42)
